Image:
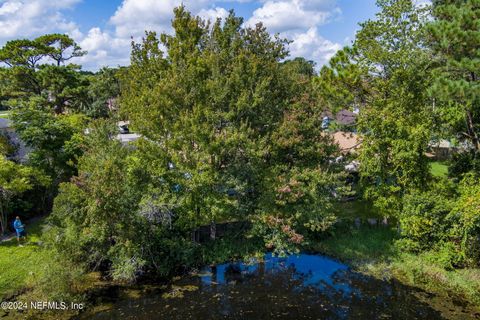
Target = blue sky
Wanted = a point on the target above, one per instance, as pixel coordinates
(318, 28)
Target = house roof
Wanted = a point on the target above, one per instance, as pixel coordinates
(128, 137)
(346, 117)
(441, 144)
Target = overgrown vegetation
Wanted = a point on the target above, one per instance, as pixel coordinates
(232, 131)
(212, 151)
(415, 83)
(375, 251)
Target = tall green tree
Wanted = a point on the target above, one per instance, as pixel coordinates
(344, 82)
(216, 93)
(119, 215)
(94, 216)
(298, 183)
(29, 72)
(103, 92)
(212, 104)
(54, 141)
(40, 86)
(61, 47)
(390, 79)
(454, 36)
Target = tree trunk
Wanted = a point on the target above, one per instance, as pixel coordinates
(470, 124)
(3, 220)
(471, 131)
(213, 230)
(4, 201)
(2, 228)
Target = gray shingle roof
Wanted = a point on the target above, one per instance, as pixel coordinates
(346, 117)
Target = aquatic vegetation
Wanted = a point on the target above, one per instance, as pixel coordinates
(178, 291)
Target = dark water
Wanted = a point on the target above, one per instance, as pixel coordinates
(296, 287)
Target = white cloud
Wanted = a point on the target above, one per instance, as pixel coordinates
(133, 17)
(298, 20)
(313, 46)
(288, 15)
(103, 49)
(24, 19)
(213, 14)
(10, 8)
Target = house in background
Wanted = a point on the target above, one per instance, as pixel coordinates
(343, 120)
(124, 135)
(343, 133)
(443, 149)
(341, 127)
(346, 118)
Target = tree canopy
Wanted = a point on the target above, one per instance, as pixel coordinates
(230, 130)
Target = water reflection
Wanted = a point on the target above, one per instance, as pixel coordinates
(295, 287)
(308, 270)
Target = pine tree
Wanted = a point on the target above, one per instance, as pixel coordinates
(455, 39)
(386, 74)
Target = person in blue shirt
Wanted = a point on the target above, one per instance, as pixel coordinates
(20, 229)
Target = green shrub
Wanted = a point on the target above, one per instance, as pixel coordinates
(446, 255)
(423, 219)
(463, 163)
(408, 245)
(61, 281)
(465, 218)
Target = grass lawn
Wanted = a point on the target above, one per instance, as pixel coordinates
(439, 169)
(20, 265)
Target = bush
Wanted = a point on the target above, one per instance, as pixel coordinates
(445, 219)
(463, 163)
(424, 218)
(446, 255)
(408, 245)
(61, 281)
(465, 218)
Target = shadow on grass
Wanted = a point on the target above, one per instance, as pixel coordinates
(22, 244)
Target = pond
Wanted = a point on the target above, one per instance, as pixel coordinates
(304, 286)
